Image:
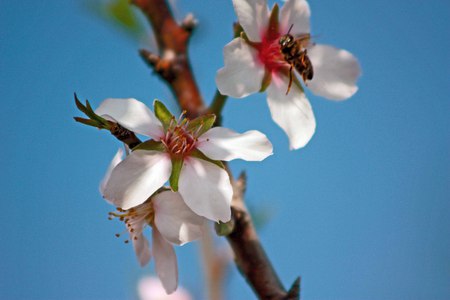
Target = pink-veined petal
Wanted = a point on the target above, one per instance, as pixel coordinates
(165, 262)
(242, 73)
(292, 112)
(296, 13)
(175, 220)
(221, 143)
(206, 189)
(133, 115)
(137, 177)
(335, 72)
(253, 15)
(142, 249)
(114, 162)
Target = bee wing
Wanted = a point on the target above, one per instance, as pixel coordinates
(305, 40)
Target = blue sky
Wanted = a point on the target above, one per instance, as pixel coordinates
(363, 212)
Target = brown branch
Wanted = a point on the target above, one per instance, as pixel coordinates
(172, 63)
(250, 256)
(124, 135)
(173, 66)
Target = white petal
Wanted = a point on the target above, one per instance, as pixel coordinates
(175, 220)
(137, 178)
(242, 74)
(335, 72)
(115, 161)
(221, 143)
(296, 13)
(291, 112)
(133, 115)
(165, 262)
(142, 249)
(206, 189)
(253, 15)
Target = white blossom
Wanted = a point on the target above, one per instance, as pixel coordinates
(252, 61)
(190, 153)
(172, 222)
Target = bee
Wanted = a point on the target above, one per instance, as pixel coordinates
(296, 55)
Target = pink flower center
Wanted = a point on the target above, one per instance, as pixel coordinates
(269, 53)
(179, 139)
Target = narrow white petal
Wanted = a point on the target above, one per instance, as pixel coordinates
(335, 72)
(206, 189)
(165, 262)
(131, 114)
(253, 15)
(137, 177)
(242, 74)
(175, 220)
(115, 161)
(296, 13)
(221, 143)
(142, 250)
(291, 112)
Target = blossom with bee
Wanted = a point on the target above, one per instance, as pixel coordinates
(256, 62)
(187, 153)
(172, 222)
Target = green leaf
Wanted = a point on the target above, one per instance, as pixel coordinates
(223, 229)
(177, 164)
(163, 114)
(201, 124)
(150, 145)
(120, 14)
(250, 43)
(273, 21)
(237, 30)
(88, 122)
(79, 105)
(198, 154)
(98, 121)
(121, 11)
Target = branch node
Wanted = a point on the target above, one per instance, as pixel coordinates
(162, 66)
(294, 291)
(189, 23)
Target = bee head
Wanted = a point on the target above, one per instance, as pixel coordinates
(286, 40)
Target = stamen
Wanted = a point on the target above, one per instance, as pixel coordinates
(135, 219)
(179, 140)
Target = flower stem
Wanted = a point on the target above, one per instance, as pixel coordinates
(217, 105)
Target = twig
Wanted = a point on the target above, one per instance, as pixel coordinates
(250, 256)
(172, 63)
(124, 135)
(217, 105)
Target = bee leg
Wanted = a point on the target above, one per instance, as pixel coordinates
(304, 77)
(290, 80)
(303, 60)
